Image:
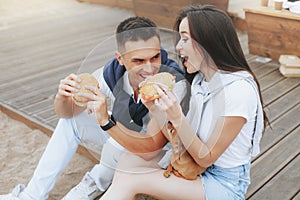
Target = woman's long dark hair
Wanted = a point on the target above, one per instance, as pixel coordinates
(214, 31)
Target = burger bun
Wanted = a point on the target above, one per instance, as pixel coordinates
(165, 80)
(86, 79)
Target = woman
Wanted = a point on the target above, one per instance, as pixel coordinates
(225, 114)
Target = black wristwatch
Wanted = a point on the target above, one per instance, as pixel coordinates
(110, 124)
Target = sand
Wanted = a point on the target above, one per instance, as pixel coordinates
(21, 147)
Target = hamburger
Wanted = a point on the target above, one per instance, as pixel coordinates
(164, 80)
(86, 79)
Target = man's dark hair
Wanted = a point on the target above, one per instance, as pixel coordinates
(134, 29)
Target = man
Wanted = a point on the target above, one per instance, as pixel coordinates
(138, 56)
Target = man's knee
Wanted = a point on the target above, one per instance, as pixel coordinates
(110, 155)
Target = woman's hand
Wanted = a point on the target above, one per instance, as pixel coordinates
(151, 105)
(169, 105)
(157, 116)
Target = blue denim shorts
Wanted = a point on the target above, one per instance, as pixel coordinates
(226, 183)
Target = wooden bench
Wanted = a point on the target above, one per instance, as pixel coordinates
(272, 32)
(164, 13)
(126, 4)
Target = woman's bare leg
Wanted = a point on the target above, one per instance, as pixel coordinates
(150, 180)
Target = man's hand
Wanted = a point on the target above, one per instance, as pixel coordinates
(63, 103)
(97, 104)
(68, 86)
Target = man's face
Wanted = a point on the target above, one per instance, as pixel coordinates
(141, 59)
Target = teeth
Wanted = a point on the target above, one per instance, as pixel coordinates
(146, 76)
(183, 58)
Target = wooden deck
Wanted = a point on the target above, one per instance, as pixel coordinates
(49, 40)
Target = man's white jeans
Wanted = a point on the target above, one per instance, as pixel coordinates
(69, 133)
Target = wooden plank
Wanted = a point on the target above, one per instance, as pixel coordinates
(52, 122)
(43, 111)
(221, 4)
(254, 63)
(51, 52)
(41, 67)
(127, 4)
(267, 21)
(177, 3)
(273, 161)
(44, 83)
(41, 38)
(271, 12)
(250, 56)
(164, 13)
(266, 69)
(283, 104)
(270, 52)
(43, 61)
(276, 39)
(47, 113)
(285, 184)
(271, 79)
(63, 70)
(238, 22)
(161, 12)
(37, 76)
(52, 118)
(38, 106)
(28, 95)
(279, 89)
(281, 127)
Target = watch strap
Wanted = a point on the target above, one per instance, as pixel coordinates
(110, 124)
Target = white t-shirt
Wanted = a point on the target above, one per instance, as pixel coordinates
(238, 99)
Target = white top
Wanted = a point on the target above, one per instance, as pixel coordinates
(238, 98)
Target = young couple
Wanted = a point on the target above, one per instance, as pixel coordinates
(221, 130)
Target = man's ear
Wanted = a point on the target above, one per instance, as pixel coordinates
(119, 58)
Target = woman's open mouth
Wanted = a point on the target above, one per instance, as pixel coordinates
(184, 60)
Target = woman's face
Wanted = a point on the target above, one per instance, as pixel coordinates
(191, 58)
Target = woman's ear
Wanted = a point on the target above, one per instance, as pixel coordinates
(119, 58)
